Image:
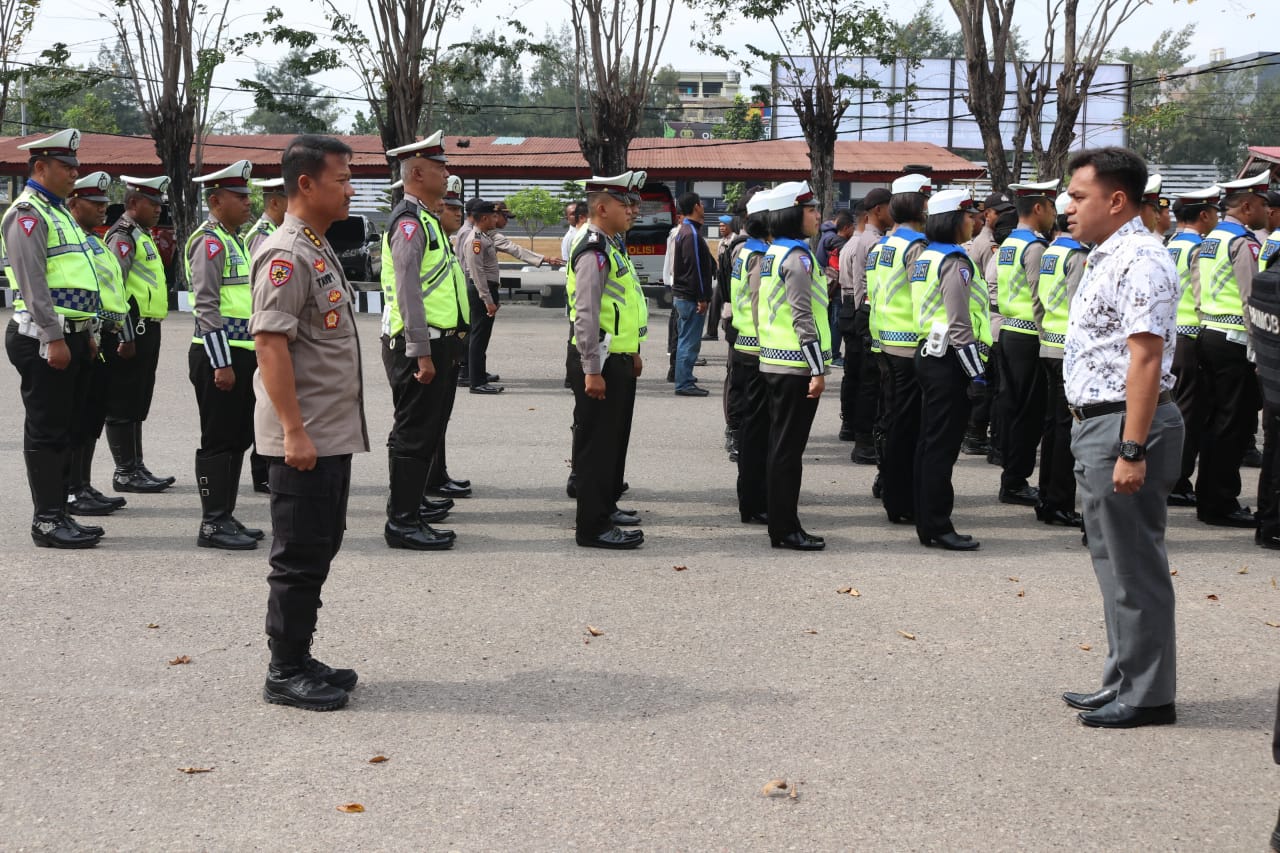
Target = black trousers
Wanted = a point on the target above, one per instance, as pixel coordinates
(791, 414)
(1020, 406)
(308, 519)
(226, 417)
(135, 378)
(481, 332)
(1057, 463)
(420, 411)
(902, 434)
(753, 436)
(602, 431)
(1233, 398)
(101, 388)
(1269, 476)
(742, 368)
(448, 364)
(982, 422)
(1191, 393)
(944, 415)
(860, 385)
(54, 399)
(673, 333)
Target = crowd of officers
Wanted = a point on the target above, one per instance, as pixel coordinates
(954, 315)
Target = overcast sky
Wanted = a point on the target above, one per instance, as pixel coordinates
(1237, 26)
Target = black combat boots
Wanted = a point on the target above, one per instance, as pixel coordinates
(404, 528)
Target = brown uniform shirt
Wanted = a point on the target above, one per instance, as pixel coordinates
(207, 266)
(479, 253)
(853, 264)
(589, 276)
(299, 291)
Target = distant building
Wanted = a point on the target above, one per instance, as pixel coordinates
(704, 95)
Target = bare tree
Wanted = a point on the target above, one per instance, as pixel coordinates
(16, 18)
(818, 42)
(174, 47)
(618, 45)
(1080, 52)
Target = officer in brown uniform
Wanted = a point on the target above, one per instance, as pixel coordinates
(310, 412)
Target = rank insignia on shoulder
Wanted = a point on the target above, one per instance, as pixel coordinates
(212, 246)
(335, 296)
(331, 320)
(24, 205)
(593, 237)
(311, 235)
(27, 223)
(408, 229)
(280, 272)
(319, 265)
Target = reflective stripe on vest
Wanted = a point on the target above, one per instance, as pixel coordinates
(779, 343)
(1013, 290)
(146, 283)
(114, 303)
(1220, 304)
(894, 316)
(624, 313)
(441, 279)
(235, 294)
(69, 271)
(873, 316)
(929, 303)
(748, 339)
(1182, 248)
(1054, 290)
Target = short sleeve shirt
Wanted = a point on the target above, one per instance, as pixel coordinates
(1129, 287)
(299, 291)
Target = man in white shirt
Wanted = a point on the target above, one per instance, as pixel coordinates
(575, 213)
(1127, 435)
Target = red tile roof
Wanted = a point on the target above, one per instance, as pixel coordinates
(540, 157)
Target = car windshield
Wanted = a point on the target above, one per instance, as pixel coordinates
(347, 233)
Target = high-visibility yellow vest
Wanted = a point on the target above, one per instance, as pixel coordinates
(69, 272)
(894, 320)
(1013, 290)
(235, 295)
(1270, 251)
(1220, 305)
(873, 319)
(624, 313)
(779, 343)
(927, 298)
(146, 283)
(748, 339)
(1182, 247)
(1054, 295)
(114, 303)
(443, 282)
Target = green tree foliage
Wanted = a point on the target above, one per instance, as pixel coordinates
(740, 122)
(95, 98)
(535, 208)
(287, 99)
(1154, 113)
(1217, 118)
(926, 36)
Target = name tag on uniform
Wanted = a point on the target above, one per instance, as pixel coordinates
(1048, 265)
(1210, 247)
(1007, 254)
(920, 271)
(887, 254)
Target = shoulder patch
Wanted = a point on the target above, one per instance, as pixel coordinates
(123, 248)
(600, 260)
(408, 228)
(280, 272)
(212, 246)
(475, 246)
(806, 262)
(27, 223)
(331, 320)
(1255, 248)
(319, 264)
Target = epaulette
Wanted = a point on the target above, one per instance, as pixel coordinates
(25, 204)
(311, 235)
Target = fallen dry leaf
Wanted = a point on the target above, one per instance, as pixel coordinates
(351, 808)
(848, 590)
(681, 568)
(594, 631)
(1173, 572)
(180, 659)
(1211, 597)
(378, 759)
(795, 792)
(810, 631)
(1273, 624)
(1273, 582)
(1022, 593)
(152, 625)
(1015, 580)
(774, 788)
(1244, 570)
(195, 769)
(908, 635)
(1085, 647)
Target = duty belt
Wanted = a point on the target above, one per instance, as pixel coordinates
(907, 338)
(237, 329)
(1093, 410)
(747, 341)
(1024, 325)
(1053, 338)
(1224, 319)
(1190, 331)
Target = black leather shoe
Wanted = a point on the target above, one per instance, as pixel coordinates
(343, 679)
(252, 532)
(427, 515)
(118, 503)
(1271, 542)
(613, 539)
(487, 389)
(90, 529)
(692, 391)
(1243, 517)
(225, 534)
(262, 488)
(134, 481)
(671, 375)
(463, 380)
(571, 487)
(1252, 458)
(623, 518)
(876, 489)
(863, 455)
(699, 362)
(950, 542)
(1089, 701)
(417, 537)
(84, 503)
(847, 435)
(754, 517)
(1025, 496)
(493, 377)
(296, 687)
(996, 458)
(433, 503)
(1181, 499)
(450, 489)
(461, 484)
(1117, 715)
(1059, 516)
(57, 531)
(798, 541)
(905, 518)
(975, 447)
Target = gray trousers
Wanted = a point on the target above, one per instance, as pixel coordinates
(1126, 542)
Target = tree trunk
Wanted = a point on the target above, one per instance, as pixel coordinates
(816, 110)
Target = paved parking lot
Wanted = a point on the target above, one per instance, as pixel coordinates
(921, 714)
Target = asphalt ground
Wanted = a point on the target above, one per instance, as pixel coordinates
(922, 714)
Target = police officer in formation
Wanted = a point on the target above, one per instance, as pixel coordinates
(860, 387)
(221, 359)
(949, 301)
(753, 422)
(795, 351)
(426, 312)
(274, 204)
(88, 205)
(129, 239)
(50, 338)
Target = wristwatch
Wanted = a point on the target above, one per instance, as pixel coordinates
(1132, 451)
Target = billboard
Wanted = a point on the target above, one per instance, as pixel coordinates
(937, 112)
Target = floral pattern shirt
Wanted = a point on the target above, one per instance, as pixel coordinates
(1130, 287)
